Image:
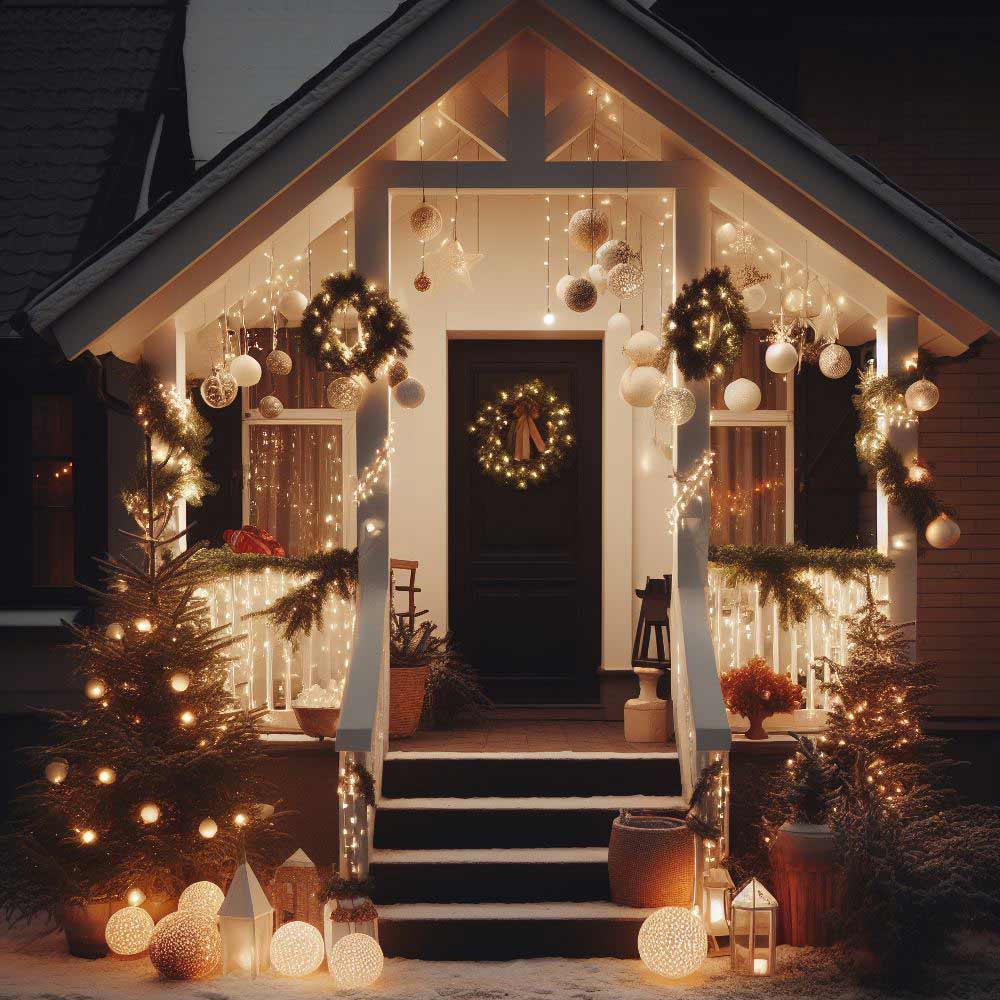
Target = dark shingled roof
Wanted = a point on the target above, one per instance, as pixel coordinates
(73, 80)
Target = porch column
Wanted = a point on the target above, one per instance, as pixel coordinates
(895, 345)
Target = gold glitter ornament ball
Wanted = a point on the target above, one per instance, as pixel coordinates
(356, 961)
(625, 280)
(422, 282)
(614, 252)
(674, 405)
(202, 897)
(397, 373)
(344, 394)
(922, 396)
(297, 949)
(128, 931)
(588, 228)
(185, 945)
(271, 407)
(834, 361)
(581, 295)
(425, 222)
(673, 942)
(220, 388)
(278, 363)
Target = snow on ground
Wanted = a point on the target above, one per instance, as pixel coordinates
(37, 966)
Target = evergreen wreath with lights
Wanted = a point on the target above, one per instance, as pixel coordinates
(383, 331)
(706, 325)
(528, 418)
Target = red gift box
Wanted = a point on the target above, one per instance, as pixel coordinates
(253, 539)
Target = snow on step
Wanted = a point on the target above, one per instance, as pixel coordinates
(494, 856)
(567, 803)
(563, 755)
(597, 910)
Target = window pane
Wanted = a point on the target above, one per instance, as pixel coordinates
(52, 482)
(773, 388)
(296, 484)
(748, 485)
(52, 425)
(53, 548)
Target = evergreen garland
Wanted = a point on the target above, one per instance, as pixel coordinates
(778, 569)
(383, 331)
(706, 326)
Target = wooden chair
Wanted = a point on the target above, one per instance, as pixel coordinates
(410, 588)
(654, 620)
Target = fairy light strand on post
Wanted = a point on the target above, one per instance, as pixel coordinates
(689, 485)
(371, 475)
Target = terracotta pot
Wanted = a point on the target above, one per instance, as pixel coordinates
(84, 928)
(756, 730)
(806, 882)
(406, 699)
(319, 722)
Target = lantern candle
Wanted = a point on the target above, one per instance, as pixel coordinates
(754, 930)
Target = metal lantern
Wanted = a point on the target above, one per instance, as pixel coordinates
(718, 901)
(754, 932)
(246, 923)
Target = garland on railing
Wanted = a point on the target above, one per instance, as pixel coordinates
(300, 610)
(778, 572)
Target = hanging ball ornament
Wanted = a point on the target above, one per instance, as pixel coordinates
(422, 282)
(180, 681)
(344, 394)
(208, 828)
(922, 396)
(581, 295)
(614, 252)
(106, 775)
(128, 931)
(297, 949)
(781, 358)
(292, 305)
(725, 234)
(742, 395)
(588, 228)
(562, 284)
(185, 945)
(673, 942)
(425, 222)
(278, 363)
(246, 370)
(409, 393)
(149, 813)
(674, 405)
(619, 326)
(642, 347)
(397, 373)
(356, 961)
(754, 298)
(943, 532)
(115, 632)
(56, 771)
(202, 897)
(220, 388)
(95, 689)
(625, 280)
(795, 299)
(639, 386)
(270, 407)
(599, 277)
(835, 361)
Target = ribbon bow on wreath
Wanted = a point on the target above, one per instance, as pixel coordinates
(525, 431)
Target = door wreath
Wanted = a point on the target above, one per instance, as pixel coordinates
(524, 437)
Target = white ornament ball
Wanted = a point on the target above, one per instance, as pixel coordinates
(562, 284)
(344, 394)
(297, 949)
(673, 942)
(754, 298)
(292, 305)
(614, 252)
(795, 299)
(742, 395)
(642, 347)
(208, 828)
(128, 931)
(202, 897)
(922, 396)
(356, 961)
(180, 681)
(625, 281)
(409, 393)
(149, 813)
(725, 234)
(425, 222)
(185, 945)
(220, 388)
(115, 632)
(781, 358)
(270, 407)
(588, 228)
(943, 532)
(599, 277)
(56, 771)
(581, 295)
(834, 361)
(674, 405)
(619, 326)
(245, 369)
(639, 386)
(278, 363)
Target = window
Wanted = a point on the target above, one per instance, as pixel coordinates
(53, 528)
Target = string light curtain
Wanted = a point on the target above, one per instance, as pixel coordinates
(748, 488)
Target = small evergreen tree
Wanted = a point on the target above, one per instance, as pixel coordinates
(804, 791)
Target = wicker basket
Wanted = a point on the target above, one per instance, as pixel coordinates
(651, 861)
(406, 699)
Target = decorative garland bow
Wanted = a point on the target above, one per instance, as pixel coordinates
(525, 430)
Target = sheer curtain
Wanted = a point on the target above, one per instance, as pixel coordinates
(748, 485)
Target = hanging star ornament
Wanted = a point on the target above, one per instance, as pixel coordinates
(453, 261)
(782, 331)
(744, 242)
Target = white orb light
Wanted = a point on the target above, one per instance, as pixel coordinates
(296, 949)
(115, 632)
(599, 277)
(625, 281)
(943, 532)
(180, 681)
(922, 396)
(409, 393)
(208, 828)
(345, 393)
(639, 385)
(128, 931)
(642, 347)
(246, 370)
(742, 395)
(356, 961)
(613, 252)
(673, 942)
(56, 771)
(725, 234)
(292, 305)
(754, 298)
(835, 361)
(674, 405)
(106, 775)
(202, 897)
(95, 689)
(562, 284)
(149, 813)
(425, 222)
(781, 358)
(588, 228)
(619, 326)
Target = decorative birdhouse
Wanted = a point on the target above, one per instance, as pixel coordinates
(297, 885)
(754, 930)
(246, 923)
(718, 902)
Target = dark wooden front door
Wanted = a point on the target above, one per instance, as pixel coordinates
(525, 565)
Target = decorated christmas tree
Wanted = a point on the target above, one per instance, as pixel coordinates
(151, 784)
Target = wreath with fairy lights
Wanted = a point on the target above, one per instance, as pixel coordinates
(706, 325)
(525, 436)
(383, 331)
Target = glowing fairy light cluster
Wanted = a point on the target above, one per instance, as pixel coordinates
(689, 486)
(378, 470)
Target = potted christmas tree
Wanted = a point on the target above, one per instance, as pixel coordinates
(756, 692)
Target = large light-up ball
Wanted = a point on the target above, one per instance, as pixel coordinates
(581, 295)
(619, 326)
(128, 931)
(922, 396)
(409, 393)
(754, 298)
(292, 305)
(56, 771)
(246, 370)
(943, 532)
(356, 961)
(673, 942)
(202, 897)
(345, 394)
(625, 281)
(781, 358)
(599, 277)
(588, 228)
(642, 347)
(297, 949)
(835, 361)
(562, 284)
(185, 945)
(639, 385)
(425, 222)
(742, 395)
(674, 405)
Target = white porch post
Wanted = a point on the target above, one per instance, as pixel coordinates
(895, 345)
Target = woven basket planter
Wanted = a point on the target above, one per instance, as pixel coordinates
(406, 699)
(651, 861)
